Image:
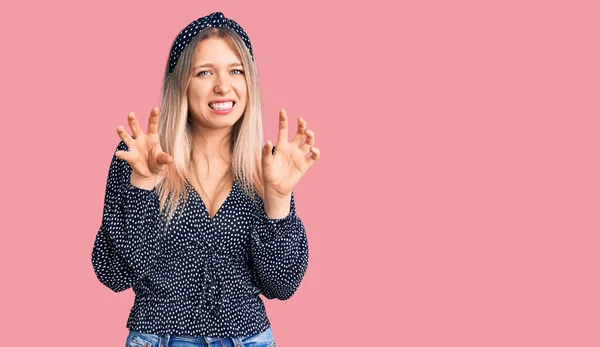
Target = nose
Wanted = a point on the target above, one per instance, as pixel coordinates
(222, 85)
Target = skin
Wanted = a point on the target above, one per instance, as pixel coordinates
(218, 73)
(281, 171)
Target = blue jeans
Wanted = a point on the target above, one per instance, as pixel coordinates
(137, 339)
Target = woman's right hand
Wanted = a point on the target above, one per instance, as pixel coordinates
(145, 155)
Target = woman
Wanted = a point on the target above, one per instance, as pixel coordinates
(198, 262)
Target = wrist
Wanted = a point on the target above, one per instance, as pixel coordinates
(277, 206)
(273, 194)
(147, 183)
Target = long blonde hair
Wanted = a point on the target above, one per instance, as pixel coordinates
(176, 132)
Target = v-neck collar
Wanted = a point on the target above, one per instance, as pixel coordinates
(227, 198)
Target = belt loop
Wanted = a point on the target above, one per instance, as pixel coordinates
(206, 341)
(164, 340)
(237, 342)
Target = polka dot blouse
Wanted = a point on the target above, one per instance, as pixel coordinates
(196, 276)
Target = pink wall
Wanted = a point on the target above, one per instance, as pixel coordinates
(455, 202)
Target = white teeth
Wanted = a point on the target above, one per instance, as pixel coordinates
(221, 105)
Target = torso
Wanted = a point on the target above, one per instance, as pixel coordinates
(217, 189)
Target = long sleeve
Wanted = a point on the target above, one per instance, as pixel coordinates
(279, 250)
(127, 244)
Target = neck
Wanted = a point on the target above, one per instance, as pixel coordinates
(212, 146)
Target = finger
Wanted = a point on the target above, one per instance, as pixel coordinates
(316, 154)
(267, 157)
(123, 155)
(153, 121)
(134, 125)
(310, 141)
(152, 164)
(163, 158)
(299, 137)
(283, 126)
(124, 135)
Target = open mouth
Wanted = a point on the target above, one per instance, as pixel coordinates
(221, 106)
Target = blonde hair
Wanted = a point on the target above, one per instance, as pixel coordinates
(176, 130)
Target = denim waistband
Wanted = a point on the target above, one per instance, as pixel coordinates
(139, 339)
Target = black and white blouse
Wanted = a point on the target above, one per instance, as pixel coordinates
(196, 276)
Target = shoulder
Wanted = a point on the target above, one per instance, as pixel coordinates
(119, 167)
(121, 146)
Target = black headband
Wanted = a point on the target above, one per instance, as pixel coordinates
(215, 19)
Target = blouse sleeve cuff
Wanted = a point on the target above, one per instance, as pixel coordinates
(280, 224)
(270, 228)
(133, 194)
(138, 205)
(137, 190)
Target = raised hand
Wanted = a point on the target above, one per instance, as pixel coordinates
(283, 169)
(145, 155)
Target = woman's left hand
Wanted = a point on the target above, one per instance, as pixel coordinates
(283, 169)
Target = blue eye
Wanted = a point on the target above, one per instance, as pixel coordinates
(235, 72)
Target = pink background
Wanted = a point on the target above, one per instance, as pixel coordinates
(456, 202)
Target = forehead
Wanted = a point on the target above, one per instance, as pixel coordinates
(215, 50)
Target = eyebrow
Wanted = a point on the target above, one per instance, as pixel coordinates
(211, 65)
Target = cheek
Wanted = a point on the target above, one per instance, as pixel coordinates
(242, 91)
(198, 91)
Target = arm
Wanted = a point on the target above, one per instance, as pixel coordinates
(279, 250)
(127, 244)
